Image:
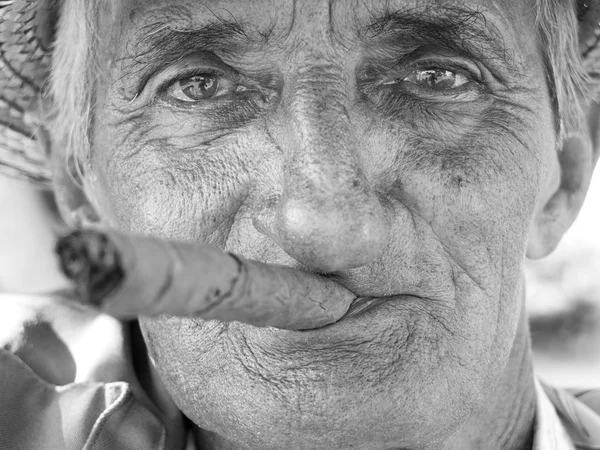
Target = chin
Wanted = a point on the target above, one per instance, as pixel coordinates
(376, 381)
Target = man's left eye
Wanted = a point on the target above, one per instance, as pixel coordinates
(204, 86)
(437, 78)
(434, 79)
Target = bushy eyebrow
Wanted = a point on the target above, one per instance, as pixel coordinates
(462, 29)
(161, 43)
(161, 38)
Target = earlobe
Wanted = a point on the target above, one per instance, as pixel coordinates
(560, 208)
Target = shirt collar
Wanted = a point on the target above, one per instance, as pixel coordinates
(549, 432)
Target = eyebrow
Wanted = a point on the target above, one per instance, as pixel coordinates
(161, 43)
(462, 29)
(160, 37)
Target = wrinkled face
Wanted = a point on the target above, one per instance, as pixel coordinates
(397, 146)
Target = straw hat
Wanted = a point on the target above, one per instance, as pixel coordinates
(25, 41)
(24, 66)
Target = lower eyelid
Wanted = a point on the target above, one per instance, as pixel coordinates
(468, 92)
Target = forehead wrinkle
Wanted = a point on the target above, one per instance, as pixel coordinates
(221, 26)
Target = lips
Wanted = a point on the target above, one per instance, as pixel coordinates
(358, 308)
(362, 305)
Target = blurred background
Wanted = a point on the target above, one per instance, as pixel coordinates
(563, 298)
(563, 290)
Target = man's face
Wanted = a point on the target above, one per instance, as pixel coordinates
(397, 146)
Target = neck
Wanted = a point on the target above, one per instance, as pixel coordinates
(507, 419)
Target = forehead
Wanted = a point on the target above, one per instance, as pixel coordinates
(271, 21)
(283, 14)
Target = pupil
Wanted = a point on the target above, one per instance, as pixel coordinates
(199, 86)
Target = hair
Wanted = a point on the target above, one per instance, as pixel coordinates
(75, 68)
(72, 80)
(557, 29)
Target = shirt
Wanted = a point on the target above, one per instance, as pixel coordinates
(106, 408)
(559, 410)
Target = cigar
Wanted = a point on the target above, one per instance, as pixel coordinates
(129, 276)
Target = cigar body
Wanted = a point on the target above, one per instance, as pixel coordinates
(128, 276)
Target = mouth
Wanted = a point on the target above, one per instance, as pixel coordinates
(364, 300)
(358, 310)
(363, 304)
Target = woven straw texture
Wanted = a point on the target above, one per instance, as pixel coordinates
(24, 67)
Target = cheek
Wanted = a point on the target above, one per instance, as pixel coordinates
(158, 189)
(476, 207)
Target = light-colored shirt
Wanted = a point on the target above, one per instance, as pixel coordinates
(558, 410)
(105, 408)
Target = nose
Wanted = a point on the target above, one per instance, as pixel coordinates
(328, 216)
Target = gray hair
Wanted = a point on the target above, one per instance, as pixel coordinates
(74, 72)
(72, 80)
(557, 30)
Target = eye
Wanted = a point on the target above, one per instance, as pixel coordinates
(202, 86)
(437, 79)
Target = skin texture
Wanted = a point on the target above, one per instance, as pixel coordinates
(323, 163)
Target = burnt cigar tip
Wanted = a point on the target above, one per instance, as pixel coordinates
(91, 261)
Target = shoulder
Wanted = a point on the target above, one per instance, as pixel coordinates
(590, 397)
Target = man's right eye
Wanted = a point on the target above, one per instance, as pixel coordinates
(201, 87)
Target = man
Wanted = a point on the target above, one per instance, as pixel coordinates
(411, 151)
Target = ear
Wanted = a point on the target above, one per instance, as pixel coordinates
(571, 171)
(563, 196)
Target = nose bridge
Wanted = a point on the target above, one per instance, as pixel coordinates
(325, 154)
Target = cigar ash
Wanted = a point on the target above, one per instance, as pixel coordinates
(92, 262)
